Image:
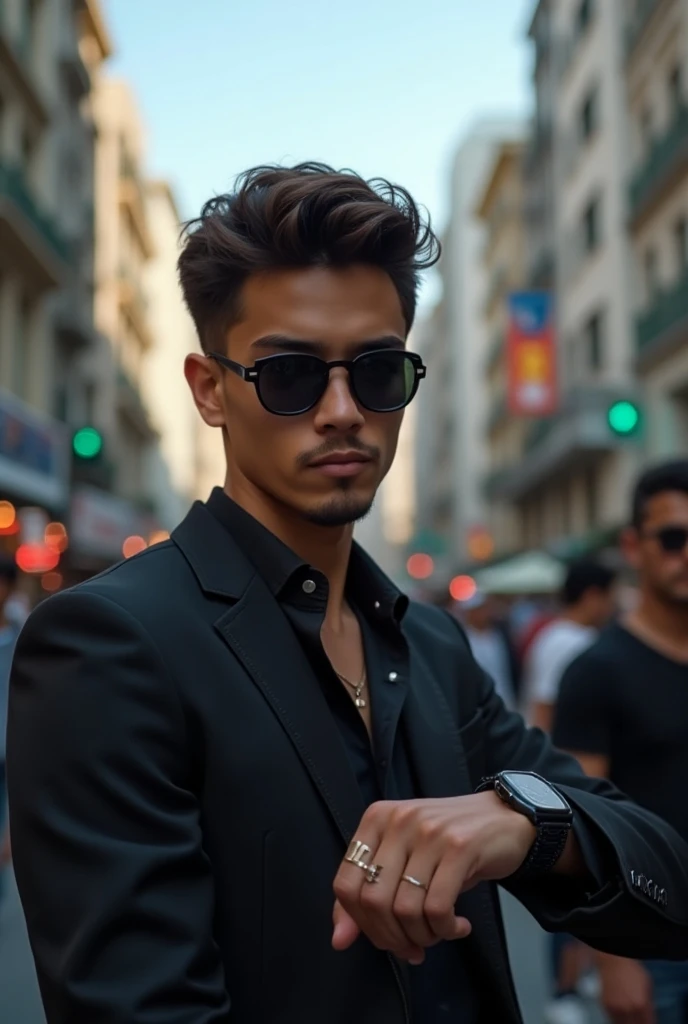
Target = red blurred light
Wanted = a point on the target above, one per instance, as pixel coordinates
(52, 581)
(462, 588)
(420, 567)
(56, 536)
(37, 558)
(133, 546)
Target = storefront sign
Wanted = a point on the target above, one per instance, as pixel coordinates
(531, 355)
(100, 523)
(33, 455)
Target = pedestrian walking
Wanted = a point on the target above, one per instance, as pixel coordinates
(249, 780)
(587, 604)
(623, 711)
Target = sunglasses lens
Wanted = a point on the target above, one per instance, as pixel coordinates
(673, 539)
(291, 384)
(384, 381)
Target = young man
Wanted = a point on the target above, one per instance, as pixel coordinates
(489, 644)
(623, 710)
(9, 631)
(242, 767)
(588, 604)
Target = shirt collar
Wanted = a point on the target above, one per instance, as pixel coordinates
(288, 577)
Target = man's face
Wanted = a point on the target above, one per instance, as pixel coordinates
(331, 313)
(663, 572)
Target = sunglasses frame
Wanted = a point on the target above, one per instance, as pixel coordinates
(252, 374)
(656, 535)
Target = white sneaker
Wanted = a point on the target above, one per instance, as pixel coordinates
(567, 1010)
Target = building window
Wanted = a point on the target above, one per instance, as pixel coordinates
(591, 226)
(675, 92)
(681, 240)
(584, 16)
(650, 269)
(594, 342)
(589, 116)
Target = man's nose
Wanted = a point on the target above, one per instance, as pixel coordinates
(337, 409)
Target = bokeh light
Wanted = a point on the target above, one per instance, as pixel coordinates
(463, 588)
(133, 546)
(52, 581)
(420, 567)
(37, 558)
(56, 536)
(8, 517)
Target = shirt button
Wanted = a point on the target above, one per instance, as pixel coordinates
(377, 606)
(393, 676)
(309, 586)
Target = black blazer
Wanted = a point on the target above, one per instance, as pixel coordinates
(180, 803)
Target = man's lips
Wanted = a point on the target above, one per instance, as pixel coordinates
(341, 463)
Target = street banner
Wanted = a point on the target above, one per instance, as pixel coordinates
(531, 355)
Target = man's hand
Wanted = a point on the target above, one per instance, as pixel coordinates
(626, 990)
(449, 845)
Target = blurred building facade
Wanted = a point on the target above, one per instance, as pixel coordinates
(46, 251)
(92, 327)
(451, 456)
(656, 80)
(501, 209)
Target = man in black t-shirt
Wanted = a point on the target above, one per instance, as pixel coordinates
(623, 710)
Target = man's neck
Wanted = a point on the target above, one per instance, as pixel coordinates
(577, 616)
(327, 548)
(661, 625)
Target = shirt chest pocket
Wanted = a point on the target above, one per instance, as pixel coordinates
(472, 737)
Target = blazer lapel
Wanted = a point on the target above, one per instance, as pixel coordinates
(261, 638)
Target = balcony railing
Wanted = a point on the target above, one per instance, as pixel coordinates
(13, 186)
(669, 308)
(665, 158)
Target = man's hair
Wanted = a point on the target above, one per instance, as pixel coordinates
(585, 575)
(304, 216)
(666, 476)
(8, 569)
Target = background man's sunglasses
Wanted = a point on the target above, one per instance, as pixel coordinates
(671, 539)
(289, 384)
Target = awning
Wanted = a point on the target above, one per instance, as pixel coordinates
(533, 572)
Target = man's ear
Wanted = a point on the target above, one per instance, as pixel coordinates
(630, 545)
(203, 378)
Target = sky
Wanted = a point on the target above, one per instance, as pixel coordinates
(386, 88)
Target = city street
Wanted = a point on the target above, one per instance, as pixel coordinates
(20, 1004)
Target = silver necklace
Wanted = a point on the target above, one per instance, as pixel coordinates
(358, 688)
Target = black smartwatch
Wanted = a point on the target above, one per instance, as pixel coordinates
(542, 804)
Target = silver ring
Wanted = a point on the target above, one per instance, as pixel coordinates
(373, 873)
(414, 881)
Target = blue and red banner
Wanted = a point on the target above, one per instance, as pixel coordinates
(531, 355)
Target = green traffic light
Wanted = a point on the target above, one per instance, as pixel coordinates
(87, 443)
(624, 418)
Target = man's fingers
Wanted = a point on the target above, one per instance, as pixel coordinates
(443, 892)
(346, 931)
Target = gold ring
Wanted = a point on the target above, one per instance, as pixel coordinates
(414, 881)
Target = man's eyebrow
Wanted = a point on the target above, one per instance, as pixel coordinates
(284, 343)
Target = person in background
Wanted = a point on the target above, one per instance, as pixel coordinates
(489, 644)
(623, 711)
(588, 604)
(9, 631)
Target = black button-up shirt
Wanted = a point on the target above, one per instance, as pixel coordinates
(441, 988)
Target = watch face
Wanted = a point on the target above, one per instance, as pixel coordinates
(535, 791)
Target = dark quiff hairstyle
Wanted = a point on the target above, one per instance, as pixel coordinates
(666, 476)
(304, 216)
(583, 576)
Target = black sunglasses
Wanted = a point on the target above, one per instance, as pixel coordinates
(671, 539)
(288, 384)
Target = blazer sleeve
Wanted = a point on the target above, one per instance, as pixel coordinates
(116, 888)
(637, 905)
